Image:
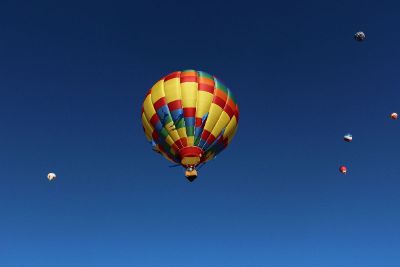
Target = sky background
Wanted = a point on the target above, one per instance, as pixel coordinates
(73, 76)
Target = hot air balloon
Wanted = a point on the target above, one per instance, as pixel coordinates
(394, 116)
(343, 169)
(51, 176)
(348, 137)
(359, 36)
(189, 117)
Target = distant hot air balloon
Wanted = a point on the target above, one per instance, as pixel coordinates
(394, 116)
(51, 176)
(343, 169)
(189, 117)
(359, 36)
(348, 137)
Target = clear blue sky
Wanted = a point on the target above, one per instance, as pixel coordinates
(72, 79)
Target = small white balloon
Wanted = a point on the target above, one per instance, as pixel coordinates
(359, 36)
(51, 176)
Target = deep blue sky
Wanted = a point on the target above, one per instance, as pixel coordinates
(72, 79)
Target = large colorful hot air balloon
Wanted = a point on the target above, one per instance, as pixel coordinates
(189, 117)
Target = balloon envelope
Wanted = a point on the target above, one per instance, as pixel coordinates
(359, 36)
(348, 137)
(343, 169)
(51, 176)
(189, 117)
